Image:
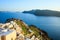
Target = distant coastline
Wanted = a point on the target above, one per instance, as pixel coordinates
(38, 12)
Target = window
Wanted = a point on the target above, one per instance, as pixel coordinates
(11, 38)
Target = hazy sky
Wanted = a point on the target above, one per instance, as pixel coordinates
(19, 5)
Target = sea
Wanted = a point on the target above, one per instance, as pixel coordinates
(50, 24)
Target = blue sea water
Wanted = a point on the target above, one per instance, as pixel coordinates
(50, 24)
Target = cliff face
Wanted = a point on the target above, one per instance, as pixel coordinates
(25, 32)
(38, 12)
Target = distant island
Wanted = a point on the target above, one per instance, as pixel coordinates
(38, 12)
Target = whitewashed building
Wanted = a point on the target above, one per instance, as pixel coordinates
(7, 34)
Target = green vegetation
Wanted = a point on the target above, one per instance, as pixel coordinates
(35, 31)
(22, 25)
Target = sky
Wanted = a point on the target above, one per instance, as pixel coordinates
(21, 5)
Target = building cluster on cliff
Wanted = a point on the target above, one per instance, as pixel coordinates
(12, 31)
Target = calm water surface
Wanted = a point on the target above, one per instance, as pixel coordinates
(50, 24)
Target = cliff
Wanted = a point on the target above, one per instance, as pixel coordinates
(38, 12)
(29, 32)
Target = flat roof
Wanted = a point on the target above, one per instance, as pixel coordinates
(4, 31)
